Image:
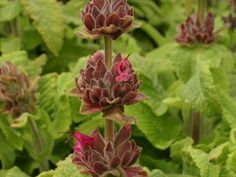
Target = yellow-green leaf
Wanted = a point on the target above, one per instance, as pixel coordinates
(48, 20)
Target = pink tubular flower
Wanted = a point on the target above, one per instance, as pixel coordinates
(99, 158)
(192, 31)
(124, 70)
(102, 89)
(81, 141)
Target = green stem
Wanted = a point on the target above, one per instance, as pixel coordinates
(196, 127)
(108, 51)
(109, 124)
(15, 25)
(188, 7)
(201, 10)
(38, 144)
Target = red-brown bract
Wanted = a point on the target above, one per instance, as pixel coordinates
(192, 31)
(17, 94)
(105, 17)
(99, 158)
(101, 88)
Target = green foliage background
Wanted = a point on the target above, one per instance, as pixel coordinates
(39, 37)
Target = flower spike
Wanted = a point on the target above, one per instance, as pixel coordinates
(99, 158)
(192, 31)
(105, 17)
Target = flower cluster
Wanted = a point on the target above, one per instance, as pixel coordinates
(101, 88)
(192, 31)
(17, 94)
(97, 157)
(105, 17)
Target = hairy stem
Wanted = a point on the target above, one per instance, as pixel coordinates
(188, 7)
(201, 10)
(38, 144)
(109, 124)
(196, 127)
(15, 25)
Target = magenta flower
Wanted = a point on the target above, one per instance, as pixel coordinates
(99, 158)
(81, 141)
(124, 70)
(192, 31)
(102, 89)
(105, 17)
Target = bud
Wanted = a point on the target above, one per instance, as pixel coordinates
(17, 94)
(99, 158)
(230, 21)
(192, 31)
(106, 17)
(102, 89)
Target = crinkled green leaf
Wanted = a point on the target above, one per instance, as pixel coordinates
(64, 169)
(196, 162)
(62, 117)
(14, 172)
(10, 11)
(200, 91)
(155, 128)
(7, 154)
(48, 20)
(176, 150)
(11, 44)
(47, 88)
(13, 136)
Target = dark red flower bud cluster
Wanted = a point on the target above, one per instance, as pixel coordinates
(17, 94)
(230, 21)
(101, 88)
(106, 17)
(99, 158)
(192, 31)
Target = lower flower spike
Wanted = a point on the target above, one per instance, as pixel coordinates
(98, 158)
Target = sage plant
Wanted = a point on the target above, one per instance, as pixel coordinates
(106, 85)
(197, 29)
(18, 96)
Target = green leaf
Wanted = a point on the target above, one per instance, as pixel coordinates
(14, 172)
(200, 91)
(157, 173)
(71, 12)
(10, 11)
(196, 162)
(48, 20)
(231, 162)
(229, 107)
(31, 39)
(62, 117)
(20, 59)
(65, 169)
(7, 154)
(155, 128)
(47, 88)
(13, 137)
(89, 126)
(176, 150)
(11, 44)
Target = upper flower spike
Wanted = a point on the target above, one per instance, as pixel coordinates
(103, 89)
(107, 17)
(16, 92)
(192, 31)
(99, 158)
